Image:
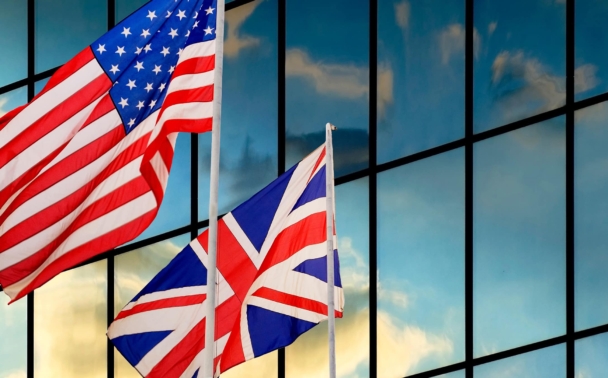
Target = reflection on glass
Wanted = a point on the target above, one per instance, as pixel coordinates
(174, 211)
(420, 75)
(126, 7)
(12, 99)
(590, 357)
(39, 85)
(591, 216)
(456, 374)
(591, 35)
(421, 265)
(249, 108)
(70, 322)
(544, 363)
(132, 271)
(261, 367)
(58, 40)
(13, 340)
(327, 80)
(308, 357)
(520, 64)
(13, 28)
(519, 241)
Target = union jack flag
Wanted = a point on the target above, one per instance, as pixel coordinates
(272, 283)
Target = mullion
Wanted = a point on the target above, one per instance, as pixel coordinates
(373, 189)
(281, 128)
(570, 259)
(31, 70)
(111, 19)
(468, 200)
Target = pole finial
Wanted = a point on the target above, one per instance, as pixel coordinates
(331, 127)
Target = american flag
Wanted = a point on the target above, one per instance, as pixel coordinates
(84, 166)
(272, 283)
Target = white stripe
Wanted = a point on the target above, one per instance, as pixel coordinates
(191, 81)
(304, 211)
(197, 50)
(185, 111)
(164, 319)
(50, 100)
(243, 240)
(282, 308)
(166, 294)
(161, 170)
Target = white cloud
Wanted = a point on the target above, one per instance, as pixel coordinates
(585, 78)
(492, 27)
(234, 41)
(385, 89)
(3, 102)
(14, 374)
(402, 14)
(452, 42)
(343, 80)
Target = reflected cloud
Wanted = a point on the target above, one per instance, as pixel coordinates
(585, 78)
(402, 14)
(342, 80)
(385, 89)
(234, 41)
(15, 374)
(3, 102)
(452, 42)
(492, 27)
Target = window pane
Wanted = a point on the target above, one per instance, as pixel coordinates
(421, 265)
(519, 241)
(249, 108)
(132, 271)
(126, 7)
(308, 357)
(456, 374)
(420, 75)
(327, 80)
(590, 356)
(591, 77)
(70, 324)
(13, 26)
(520, 65)
(39, 85)
(57, 41)
(12, 99)
(261, 367)
(591, 216)
(544, 363)
(13, 343)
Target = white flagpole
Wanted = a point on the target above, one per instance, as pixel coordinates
(209, 351)
(329, 190)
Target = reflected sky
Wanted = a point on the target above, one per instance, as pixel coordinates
(308, 356)
(420, 75)
(39, 85)
(248, 153)
(13, 23)
(519, 240)
(591, 37)
(590, 357)
(520, 65)
(544, 363)
(70, 322)
(327, 80)
(456, 374)
(13, 340)
(126, 7)
(12, 99)
(421, 265)
(591, 216)
(57, 41)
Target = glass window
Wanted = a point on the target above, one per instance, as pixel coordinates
(456, 374)
(132, 271)
(126, 7)
(421, 265)
(308, 356)
(248, 160)
(261, 367)
(39, 85)
(327, 80)
(13, 343)
(70, 322)
(519, 240)
(591, 76)
(590, 356)
(591, 216)
(520, 65)
(57, 41)
(12, 99)
(420, 75)
(13, 26)
(544, 363)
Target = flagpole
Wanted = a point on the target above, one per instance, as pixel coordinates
(209, 351)
(329, 190)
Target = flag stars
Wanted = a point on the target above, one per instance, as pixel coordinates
(123, 102)
(131, 84)
(126, 32)
(188, 33)
(138, 50)
(101, 48)
(156, 69)
(152, 104)
(162, 87)
(195, 25)
(148, 48)
(140, 105)
(168, 14)
(114, 69)
(145, 33)
(139, 66)
(165, 51)
(171, 69)
(120, 50)
(151, 15)
(180, 51)
(209, 11)
(208, 30)
(173, 33)
(131, 122)
(181, 14)
(195, 15)
(149, 88)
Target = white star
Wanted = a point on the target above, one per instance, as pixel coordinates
(195, 15)
(151, 15)
(173, 33)
(131, 84)
(140, 105)
(209, 10)
(101, 48)
(162, 87)
(121, 50)
(114, 69)
(156, 69)
(188, 33)
(152, 103)
(131, 122)
(138, 50)
(123, 102)
(149, 88)
(181, 14)
(126, 32)
(145, 33)
(171, 69)
(208, 30)
(180, 52)
(139, 66)
(148, 48)
(168, 14)
(165, 51)
(195, 25)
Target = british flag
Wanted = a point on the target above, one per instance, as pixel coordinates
(271, 285)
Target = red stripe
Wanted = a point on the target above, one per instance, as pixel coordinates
(68, 69)
(89, 249)
(104, 106)
(194, 66)
(188, 300)
(319, 161)
(202, 94)
(5, 119)
(226, 315)
(54, 118)
(293, 300)
(233, 351)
